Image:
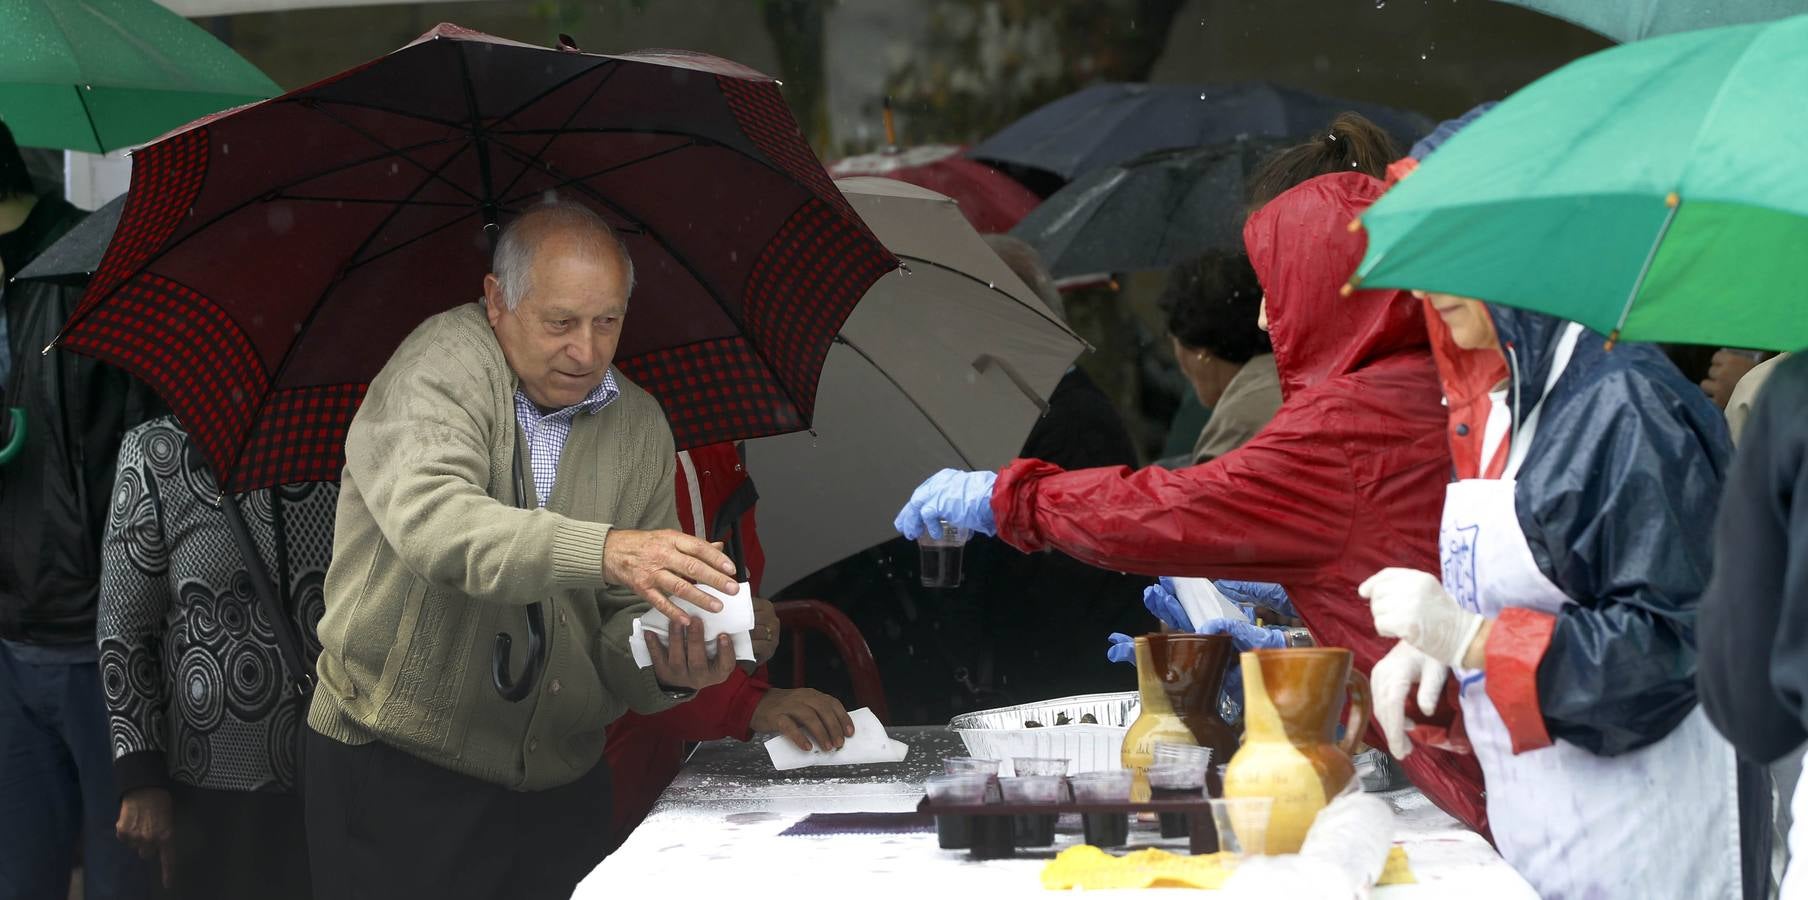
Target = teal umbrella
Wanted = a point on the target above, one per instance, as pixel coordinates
(1655, 191)
(97, 75)
(1633, 20)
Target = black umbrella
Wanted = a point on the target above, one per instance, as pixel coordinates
(71, 261)
(1111, 123)
(1148, 213)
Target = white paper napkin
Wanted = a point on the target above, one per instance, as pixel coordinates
(1203, 601)
(735, 620)
(870, 744)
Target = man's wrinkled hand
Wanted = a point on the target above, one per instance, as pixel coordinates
(660, 565)
(765, 631)
(809, 718)
(147, 824)
(685, 662)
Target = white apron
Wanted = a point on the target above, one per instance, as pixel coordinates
(1795, 879)
(1660, 822)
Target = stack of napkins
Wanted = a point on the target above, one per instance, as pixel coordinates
(870, 744)
(735, 620)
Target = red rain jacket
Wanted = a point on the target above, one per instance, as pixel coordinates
(645, 752)
(1346, 480)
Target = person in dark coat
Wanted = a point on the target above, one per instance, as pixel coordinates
(1753, 631)
(57, 792)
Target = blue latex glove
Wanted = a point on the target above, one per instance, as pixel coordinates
(1122, 649)
(1164, 605)
(1246, 635)
(1259, 593)
(962, 499)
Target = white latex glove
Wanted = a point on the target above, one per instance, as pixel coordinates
(1411, 605)
(1392, 679)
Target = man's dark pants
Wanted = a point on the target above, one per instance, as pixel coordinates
(384, 824)
(56, 782)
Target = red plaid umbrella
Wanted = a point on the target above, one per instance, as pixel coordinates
(269, 259)
(992, 201)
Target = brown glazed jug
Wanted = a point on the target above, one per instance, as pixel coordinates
(1292, 700)
(1179, 677)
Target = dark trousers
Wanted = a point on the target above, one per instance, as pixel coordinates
(56, 786)
(233, 845)
(385, 825)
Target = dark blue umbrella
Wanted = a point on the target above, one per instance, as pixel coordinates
(1148, 213)
(1112, 123)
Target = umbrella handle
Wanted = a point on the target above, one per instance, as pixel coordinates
(516, 691)
(15, 436)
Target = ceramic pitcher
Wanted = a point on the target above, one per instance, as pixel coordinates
(1179, 677)
(1292, 701)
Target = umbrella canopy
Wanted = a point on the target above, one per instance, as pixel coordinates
(1633, 20)
(1108, 124)
(1654, 190)
(946, 364)
(103, 74)
(991, 200)
(1149, 213)
(269, 260)
(75, 256)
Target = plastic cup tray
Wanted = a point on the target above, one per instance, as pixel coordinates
(1094, 746)
(1202, 837)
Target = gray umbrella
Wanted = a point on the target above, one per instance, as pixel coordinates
(1149, 213)
(77, 253)
(947, 363)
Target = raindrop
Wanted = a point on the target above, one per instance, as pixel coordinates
(1423, 57)
(225, 149)
(991, 286)
(1202, 95)
(393, 168)
(1380, 4)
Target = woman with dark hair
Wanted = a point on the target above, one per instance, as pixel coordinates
(1351, 143)
(1212, 302)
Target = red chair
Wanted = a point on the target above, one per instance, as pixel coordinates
(798, 617)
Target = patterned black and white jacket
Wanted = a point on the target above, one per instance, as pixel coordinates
(194, 682)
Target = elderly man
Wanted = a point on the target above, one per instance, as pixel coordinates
(498, 462)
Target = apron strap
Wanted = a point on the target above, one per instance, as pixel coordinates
(1522, 442)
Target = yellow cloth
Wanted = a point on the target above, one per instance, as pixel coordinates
(1086, 867)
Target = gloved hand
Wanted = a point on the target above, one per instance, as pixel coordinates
(1246, 635)
(1165, 605)
(1392, 679)
(962, 499)
(1122, 649)
(1258, 593)
(1411, 605)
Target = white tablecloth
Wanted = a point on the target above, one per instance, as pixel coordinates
(716, 830)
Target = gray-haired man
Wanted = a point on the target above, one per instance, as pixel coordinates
(497, 462)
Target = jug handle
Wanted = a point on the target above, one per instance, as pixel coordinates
(1362, 709)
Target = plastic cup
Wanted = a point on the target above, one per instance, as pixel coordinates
(955, 832)
(1176, 782)
(1242, 824)
(1033, 830)
(1103, 829)
(942, 557)
(1030, 766)
(956, 765)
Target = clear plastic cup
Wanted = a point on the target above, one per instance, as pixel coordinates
(954, 831)
(955, 765)
(1023, 766)
(1102, 787)
(1176, 781)
(1103, 829)
(1242, 824)
(942, 558)
(1031, 789)
(1182, 755)
(963, 787)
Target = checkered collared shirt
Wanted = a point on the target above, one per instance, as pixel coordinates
(546, 434)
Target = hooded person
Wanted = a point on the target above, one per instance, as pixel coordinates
(1348, 475)
(1574, 548)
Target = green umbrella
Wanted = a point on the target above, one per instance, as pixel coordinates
(97, 75)
(1656, 189)
(1633, 20)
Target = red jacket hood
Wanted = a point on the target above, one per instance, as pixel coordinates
(1304, 252)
